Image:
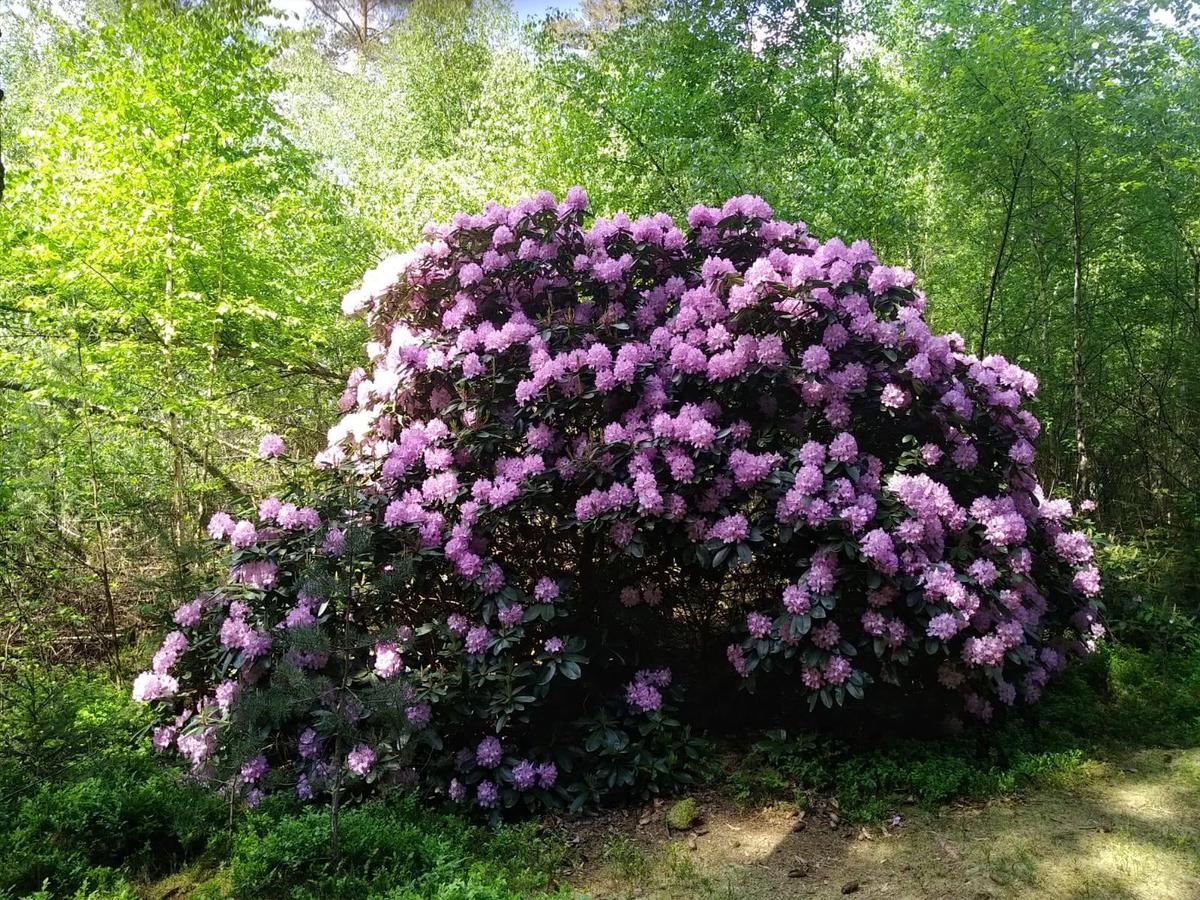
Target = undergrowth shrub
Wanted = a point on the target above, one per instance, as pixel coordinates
(94, 802)
(1152, 588)
(1119, 697)
(393, 850)
(110, 816)
(588, 465)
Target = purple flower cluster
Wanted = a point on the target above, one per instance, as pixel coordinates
(271, 446)
(565, 424)
(815, 361)
(360, 760)
(644, 693)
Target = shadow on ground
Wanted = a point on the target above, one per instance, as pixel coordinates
(1128, 827)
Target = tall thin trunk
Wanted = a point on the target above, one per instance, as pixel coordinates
(335, 803)
(1, 150)
(1010, 206)
(179, 531)
(1078, 375)
(101, 537)
(102, 547)
(1196, 288)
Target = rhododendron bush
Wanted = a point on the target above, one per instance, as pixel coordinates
(588, 460)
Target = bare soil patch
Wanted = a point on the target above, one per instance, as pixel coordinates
(1126, 828)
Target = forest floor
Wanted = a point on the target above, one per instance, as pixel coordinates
(1124, 827)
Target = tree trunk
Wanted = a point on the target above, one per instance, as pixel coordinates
(336, 801)
(1078, 375)
(998, 266)
(179, 532)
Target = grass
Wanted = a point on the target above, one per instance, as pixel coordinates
(627, 858)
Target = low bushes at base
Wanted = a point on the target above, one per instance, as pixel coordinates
(394, 850)
(95, 813)
(95, 816)
(1122, 696)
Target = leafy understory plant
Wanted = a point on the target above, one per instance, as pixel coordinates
(586, 458)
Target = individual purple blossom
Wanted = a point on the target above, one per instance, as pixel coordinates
(226, 693)
(197, 747)
(254, 769)
(162, 737)
(524, 775)
(418, 715)
(815, 359)
(489, 752)
(487, 795)
(843, 448)
(1073, 546)
(511, 616)
(388, 661)
(255, 644)
(154, 686)
(893, 397)
(643, 696)
(493, 579)
(271, 446)
(943, 626)
(987, 650)
(172, 646)
(360, 759)
(826, 636)
(796, 599)
(730, 529)
(758, 625)
(243, 534)
(547, 775)
(836, 670)
(546, 590)
(737, 659)
(979, 707)
(309, 746)
(258, 573)
(478, 639)
(659, 678)
(873, 623)
(457, 791)
(553, 645)
(1087, 581)
(220, 526)
(188, 615)
(287, 515)
(750, 468)
(877, 546)
(334, 543)
(300, 616)
(984, 571)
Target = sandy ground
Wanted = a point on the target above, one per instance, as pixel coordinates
(1128, 828)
